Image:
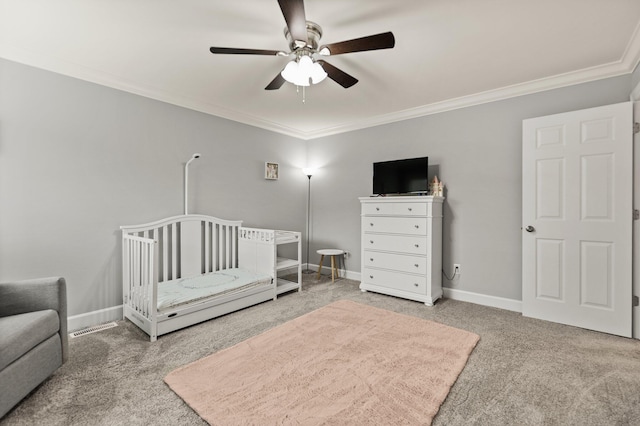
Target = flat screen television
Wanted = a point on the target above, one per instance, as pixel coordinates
(401, 176)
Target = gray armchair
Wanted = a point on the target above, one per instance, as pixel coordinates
(33, 336)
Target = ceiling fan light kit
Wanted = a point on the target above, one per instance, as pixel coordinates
(303, 71)
(304, 36)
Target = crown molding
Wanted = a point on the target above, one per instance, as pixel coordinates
(531, 87)
(626, 65)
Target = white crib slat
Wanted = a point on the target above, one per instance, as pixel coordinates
(141, 287)
(163, 241)
(143, 279)
(220, 246)
(147, 265)
(215, 235)
(126, 271)
(132, 272)
(229, 243)
(136, 276)
(228, 246)
(207, 246)
(174, 252)
(234, 247)
(160, 247)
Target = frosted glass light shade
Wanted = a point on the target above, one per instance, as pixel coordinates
(317, 73)
(308, 171)
(305, 65)
(290, 72)
(303, 72)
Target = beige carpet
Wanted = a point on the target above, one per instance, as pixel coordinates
(345, 363)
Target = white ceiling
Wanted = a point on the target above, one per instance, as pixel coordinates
(448, 53)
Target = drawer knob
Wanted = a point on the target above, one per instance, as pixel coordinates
(417, 226)
(415, 284)
(371, 276)
(371, 224)
(417, 245)
(371, 259)
(371, 241)
(416, 265)
(410, 209)
(377, 209)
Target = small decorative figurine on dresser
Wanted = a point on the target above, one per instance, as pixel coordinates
(436, 187)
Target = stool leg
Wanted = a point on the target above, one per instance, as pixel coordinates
(320, 267)
(333, 268)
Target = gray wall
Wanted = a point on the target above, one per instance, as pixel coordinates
(476, 152)
(635, 77)
(78, 160)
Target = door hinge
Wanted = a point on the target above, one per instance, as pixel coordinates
(636, 214)
(635, 301)
(636, 128)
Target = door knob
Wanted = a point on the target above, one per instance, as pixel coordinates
(529, 228)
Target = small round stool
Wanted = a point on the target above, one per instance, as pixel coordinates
(333, 253)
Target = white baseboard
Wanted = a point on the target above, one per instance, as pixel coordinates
(90, 319)
(483, 299)
(449, 293)
(350, 275)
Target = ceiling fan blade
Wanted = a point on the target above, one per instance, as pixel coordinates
(373, 42)
(234, 51)
(294, 16)
(337, 75)
(276, 83)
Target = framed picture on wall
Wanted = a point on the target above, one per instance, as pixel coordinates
(271, 171)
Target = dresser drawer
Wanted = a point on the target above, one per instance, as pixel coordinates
(377, 209)
(397, 262)
(395, 209)
(403, 244)
(395, 225)
(396, 280)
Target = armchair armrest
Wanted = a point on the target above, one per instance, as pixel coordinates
(36, 295)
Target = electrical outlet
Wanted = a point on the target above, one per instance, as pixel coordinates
(346, 254)
(456, 269)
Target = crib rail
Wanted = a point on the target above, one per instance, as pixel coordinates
(140, 279)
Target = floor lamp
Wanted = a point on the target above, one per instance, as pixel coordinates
(309, 173)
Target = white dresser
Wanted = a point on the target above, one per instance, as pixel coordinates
(402, 247)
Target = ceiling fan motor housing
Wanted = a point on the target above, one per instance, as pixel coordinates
(314, 34)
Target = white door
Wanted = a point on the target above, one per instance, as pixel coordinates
(577, 183)
(636, 223)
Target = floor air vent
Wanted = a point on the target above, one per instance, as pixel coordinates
(94, 329)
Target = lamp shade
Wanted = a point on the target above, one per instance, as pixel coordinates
(308, 171)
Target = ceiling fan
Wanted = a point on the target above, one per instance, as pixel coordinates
(303, 36)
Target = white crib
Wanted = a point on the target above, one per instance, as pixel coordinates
(167, 253)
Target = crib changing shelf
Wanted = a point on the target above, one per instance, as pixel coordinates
(287, 264)
(275, 256)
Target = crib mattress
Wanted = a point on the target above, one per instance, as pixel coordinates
(187, 290)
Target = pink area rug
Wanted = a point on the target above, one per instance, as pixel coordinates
(345, 363)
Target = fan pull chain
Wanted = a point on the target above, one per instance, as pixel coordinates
(304, 93)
